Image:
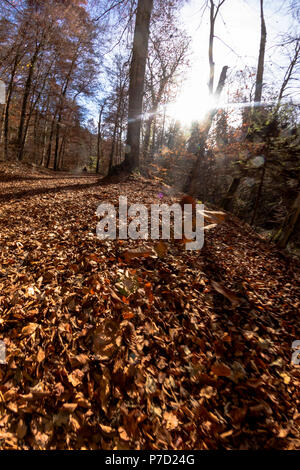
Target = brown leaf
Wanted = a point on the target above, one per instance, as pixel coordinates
(234, 299)
(104, 392)
(107, 429)
(75, 378)
(40, 355)
(137, 253)
(69, 407)
(79, 360)
(21, 429)
(29, 329)
(161, 248)
(123, 434)
(221, 370)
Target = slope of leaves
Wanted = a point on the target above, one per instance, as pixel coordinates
(139, 345)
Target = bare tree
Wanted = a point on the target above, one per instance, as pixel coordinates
(214, 10)
(166, 61)
(261, 56)
(192, 180)
(293, 68)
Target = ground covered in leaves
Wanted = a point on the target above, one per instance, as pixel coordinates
(139, 345)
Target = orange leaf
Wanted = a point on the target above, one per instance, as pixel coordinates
(128, 315)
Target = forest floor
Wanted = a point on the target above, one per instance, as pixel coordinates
(158, 348)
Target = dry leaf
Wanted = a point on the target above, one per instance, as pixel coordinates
(234, 299)
(221, 370)
(29, 329)
(75, 378)
(171, 420)
(40, 355)
(21, 429)
(161, 248)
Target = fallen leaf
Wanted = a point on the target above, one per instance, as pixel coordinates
(221, 370)
(234, 299)
(75, 378)
(29, 329)
(171, 420)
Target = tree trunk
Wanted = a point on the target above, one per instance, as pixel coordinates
(153, 140)
(60, 109)
(20, 140)
(98, 148)
(289, 73)
(163, 130)
(118, 121)
(136, 83)
(210, 48)
(99, 138)
(258, 194)
(227, 200)
(261, 57)
(113, 145)
(146, 146)
(7, 107)
(50, 142)
(44, 142)
(35, 137)
(62, 145)
(286, 230)
(146, 142)
(55, 164)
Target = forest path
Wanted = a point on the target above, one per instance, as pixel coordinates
(108, 349)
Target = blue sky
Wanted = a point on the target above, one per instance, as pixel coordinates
(238, 27)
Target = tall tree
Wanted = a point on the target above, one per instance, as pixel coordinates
(213, 13)
(261, 56)
(136, 83)
(99, 135)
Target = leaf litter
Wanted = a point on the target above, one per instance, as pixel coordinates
(140, 344)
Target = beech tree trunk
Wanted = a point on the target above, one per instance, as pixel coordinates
(99, 138)
(20, 141)
(7, 107)
(136, 83)
(147, 138)
(50, 141)
(44, 143)
(57, 137)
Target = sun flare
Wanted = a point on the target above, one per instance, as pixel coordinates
(190, 106)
